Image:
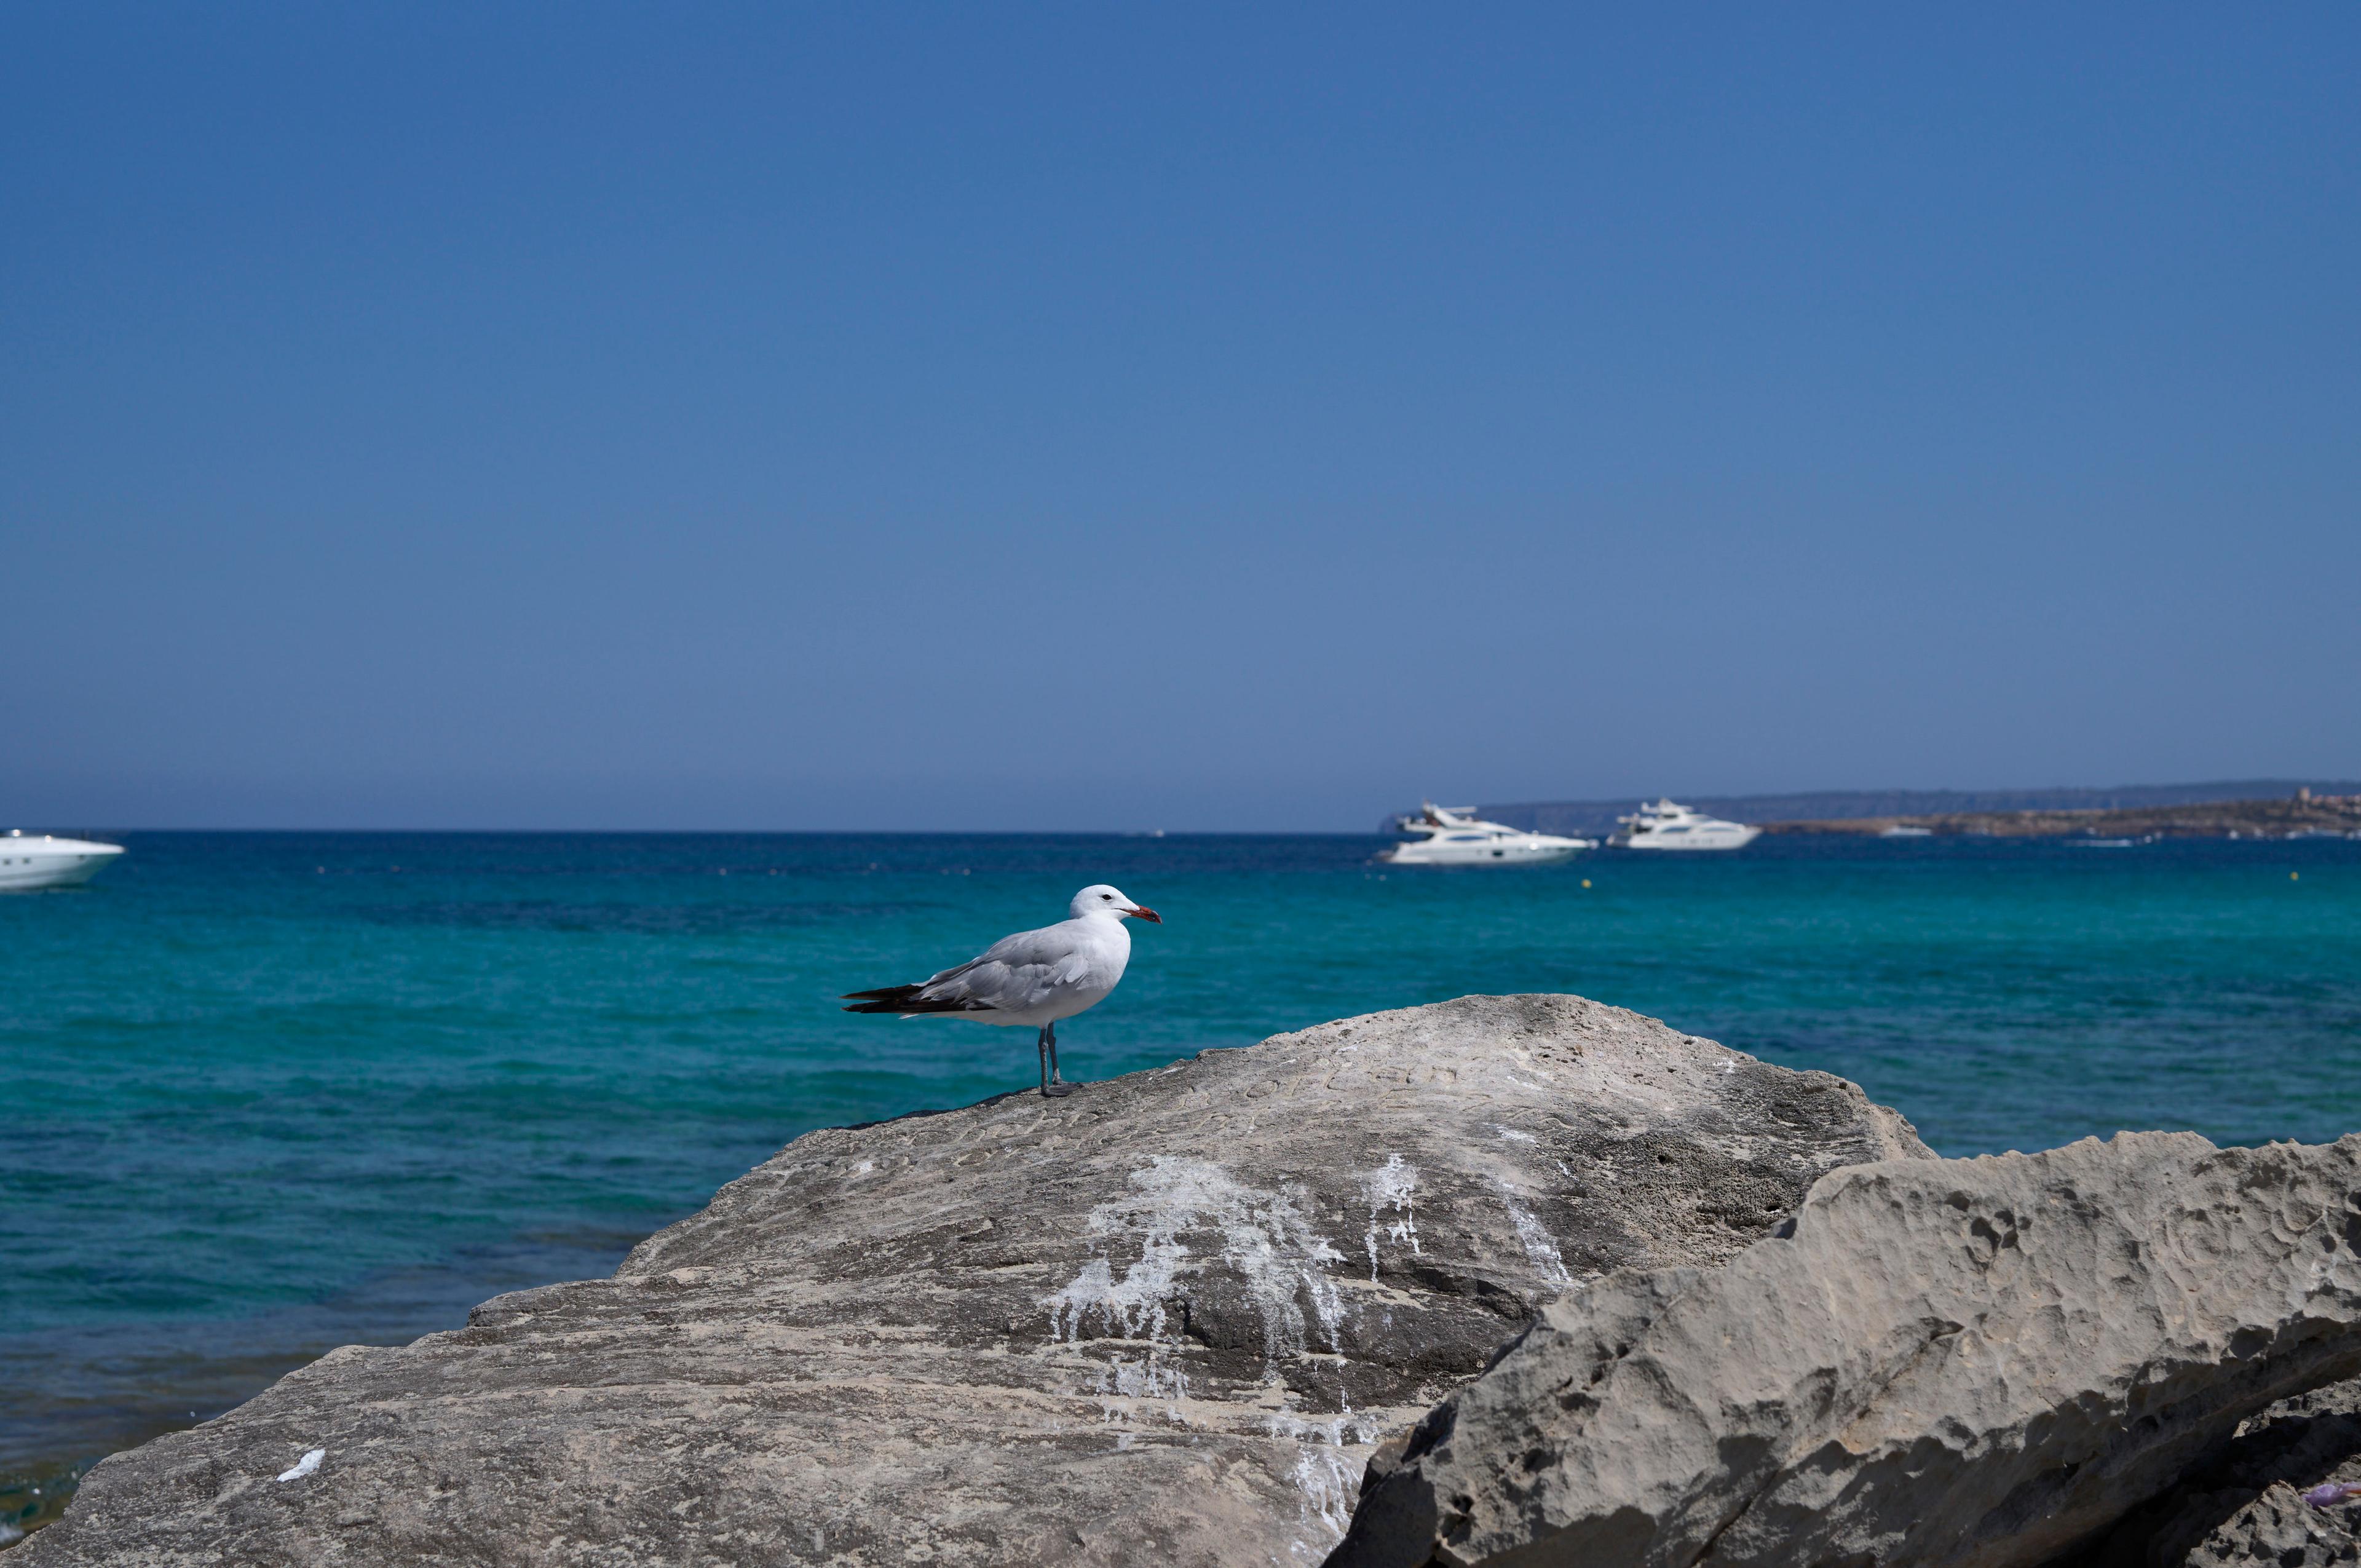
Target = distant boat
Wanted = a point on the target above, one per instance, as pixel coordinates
(1665, 826)
(1900, 831)
(26, 864)
(1455, 836)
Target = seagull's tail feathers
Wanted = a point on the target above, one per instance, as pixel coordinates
(907, 1001)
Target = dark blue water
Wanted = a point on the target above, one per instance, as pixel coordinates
(270, 1093)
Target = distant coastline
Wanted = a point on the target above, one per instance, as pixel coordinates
(2246, 806)
(2309, 815)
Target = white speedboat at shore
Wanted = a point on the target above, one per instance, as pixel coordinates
(29, 862)
(1455, 836)
(1665, 826)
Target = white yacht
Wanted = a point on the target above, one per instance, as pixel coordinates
(31, 861)
(1455, 836)
(1664, 825)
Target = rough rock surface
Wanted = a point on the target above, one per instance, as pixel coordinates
(1162, 1321)
(1980, 1362)
(2244, 1504)
(2279, 1528)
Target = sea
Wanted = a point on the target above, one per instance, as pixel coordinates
(270, 1093)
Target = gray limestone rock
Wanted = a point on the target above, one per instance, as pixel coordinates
(2277, 1529)
(1164, 1320)
(1975, 1362)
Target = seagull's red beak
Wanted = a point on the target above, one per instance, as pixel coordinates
(1144, 913)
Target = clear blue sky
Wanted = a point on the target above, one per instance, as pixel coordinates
(844, 416)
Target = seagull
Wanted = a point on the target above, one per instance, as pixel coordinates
(1033, 977)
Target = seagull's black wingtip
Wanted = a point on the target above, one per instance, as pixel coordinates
(903, 999)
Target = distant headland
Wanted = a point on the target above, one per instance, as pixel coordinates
(2246, 807)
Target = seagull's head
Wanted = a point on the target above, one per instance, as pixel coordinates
(1101, 899)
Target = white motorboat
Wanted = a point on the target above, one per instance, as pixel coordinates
(1665, 826)
(1455, 836)
(29, 862)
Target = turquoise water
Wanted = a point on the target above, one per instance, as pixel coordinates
(270, 1093)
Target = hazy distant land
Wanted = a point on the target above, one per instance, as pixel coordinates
(2334, 816)
(2267, 807)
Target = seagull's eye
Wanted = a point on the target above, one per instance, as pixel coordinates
(1106, 898)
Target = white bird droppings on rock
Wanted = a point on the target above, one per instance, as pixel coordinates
(1264, 1237)
(1329, 1486)
(305, 1465)
(1540, 1247)
(1393, 1186)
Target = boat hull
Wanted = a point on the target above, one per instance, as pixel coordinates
(29, 865)
(1506, 854)
(1691, 843)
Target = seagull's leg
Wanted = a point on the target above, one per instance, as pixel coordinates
(1052, 1085)
(1041, 1044)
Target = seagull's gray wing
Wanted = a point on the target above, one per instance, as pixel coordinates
(1013, 974)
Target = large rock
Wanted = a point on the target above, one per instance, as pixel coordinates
(1979, 1362)
(1163, 1321)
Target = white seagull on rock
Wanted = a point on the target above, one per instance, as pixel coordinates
(1034, 978)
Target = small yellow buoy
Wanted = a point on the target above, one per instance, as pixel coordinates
(2294, 876)
(1586, 882)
